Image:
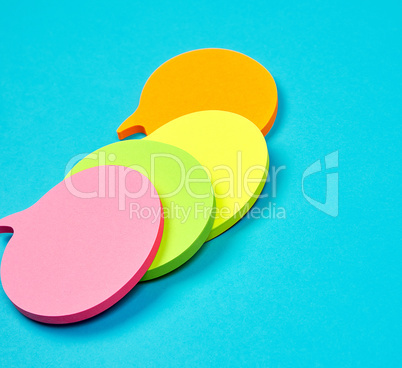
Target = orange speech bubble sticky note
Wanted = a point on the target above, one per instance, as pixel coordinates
(206, 79)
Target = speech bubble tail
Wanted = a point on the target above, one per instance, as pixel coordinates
(7, 224)
(129, 127)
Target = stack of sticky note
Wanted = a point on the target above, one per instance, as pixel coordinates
(136, 210)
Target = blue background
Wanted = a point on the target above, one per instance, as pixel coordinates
(308, 291)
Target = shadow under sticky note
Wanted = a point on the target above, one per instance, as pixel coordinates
(78, 250)
(206, 79)
(233, 151)
(184, 188)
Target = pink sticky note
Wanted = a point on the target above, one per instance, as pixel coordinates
(83, 245)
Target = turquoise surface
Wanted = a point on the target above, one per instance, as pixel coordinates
(308, 290)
